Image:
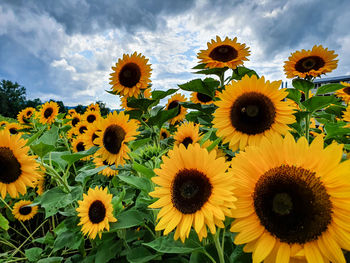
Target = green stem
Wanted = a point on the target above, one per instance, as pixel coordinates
(222, 80)
(150, 230)
(223, 240)
(209, 256)
(5, 242)
(218, 247)
(307, 120)
(53, 172)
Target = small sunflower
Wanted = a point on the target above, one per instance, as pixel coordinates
(48, 112)
(251, 109)
(224, 53)
(91, 116)
(164, 134)
(13, 128)
(95, 212)
(24, 115)
(76, 118)
(71, 111)
(187, 133)
(90, 135)
(94, 107)
(23, 210)
(315, 126)
(43, 183)
(310, 63)
(131, 74)
(108, 171)
(81, 127)
(116, 131)
(195, 189)
(78, 145)
(346, 116)
(291, 203)
(173, 102)
(3, 124)
(71, 134)
(18, 170)
(201, 98)
(344, 93)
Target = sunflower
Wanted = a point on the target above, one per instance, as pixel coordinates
(187, 133)
(3, 124)
(89, 136)
(43, 183)
(13, 127)
(251, 109)
(131, 74)
(23, 210)
(219, 152)
(124, 103)
(71, 134)
(116, 131)
(71, 111)
(346, 116)
(310, 63)
(24, 115)
(95, 212)
(201, 98)
(18, 170)
(48, 112)
(164, 134)
(76, 118)
(289, 201)
(173, 102)
(344, 93)
(224, 53)
(81, 127)
(315, 126)
(108, 171)
(91, 116)
(78, 145)
(147, 93)
(195, 189)
(94, 106)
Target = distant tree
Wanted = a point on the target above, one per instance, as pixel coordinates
(103, 109)
(63, 109)
(13, 98)
(33, 103)
(80, 109)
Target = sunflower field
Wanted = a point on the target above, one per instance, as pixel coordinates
(242, 171)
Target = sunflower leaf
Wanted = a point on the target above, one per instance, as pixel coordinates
(294, 95)
(212, 71)
(240, 72)
(336, 129)
(73, 157)
(328, 88)
(303, 85)
(138, 182)
(140, 255)
(127, 219)
(162, 116)
(142, 104)
(143, 170)
(316, 103)
(198, 85)
(159, 94)
(4, 223)
(33, 254)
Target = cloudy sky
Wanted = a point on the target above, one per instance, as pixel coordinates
(64, 50)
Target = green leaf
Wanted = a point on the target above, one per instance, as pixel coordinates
(50, 137)
(35, 136)
(149, 173)
(294, 95)
(54, 199)
(69, 239)
(84, 174)
(163, 116)
(4, 223)
(336, 129)
(108, 250)
(33, 254)
(127, 219)
(138, 143)
(240, 72)
(42, 149)
(303, 85)
(140, 255)
(214, 144)
(317, 103)
(207, 109)
(51, 260)
(159, 94)
(197, 85)
(73, 157)
(212, 71)
(138, 182)
(200, 66)
(328, 88)
(142, 104)
(134, 114)
(335, 110)
(167, 244)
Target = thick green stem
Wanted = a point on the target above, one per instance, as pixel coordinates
(307, 120)
(218, 247)
(222, 80)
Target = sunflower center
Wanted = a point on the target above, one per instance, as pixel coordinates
(203, 97)
(173, 105)
(10, 168)
(48, 112)
(94, 136)
(97, 212)
(130, 75)
(223, 53)
(164, 135)
(347, 90)
(191, 189)
(13, 130)
(75, 121)
(105, 163)
(29, 113)
(187, 141)
(292, 204)
(252, 113)
(309, 63)
(80, 147)
(82, 129)
(91, 118)
(25, 210)
(113, 138)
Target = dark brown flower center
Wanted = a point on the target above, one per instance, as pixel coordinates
(203, 97)
(191, 189)
(25, 210)
(10, 168)
(91, 118)
(82, 129)
(48, 112)
(130, 75)
(29, 113)
(80, 147)
(252, 113)
(164, 135)
(347, 90)
(75, 121)
(97, 212)
(292, 204)
(94, 136)
(223, 53)
(13, 130)
(187, 141)
(309, 63)
(173, 105)
(113, 138)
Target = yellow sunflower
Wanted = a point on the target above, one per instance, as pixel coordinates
(76, 118)
(187, 133)
(201, 98)
(23, 210)
(344, 93)
(346, 116)
(116, 131)
(71, 134)
(94, 106)
(224, 53)
(13, 128)
(48, 112)
(251, 109)
(89, 136)
(164, 134)
(95, 212)
(124, 103)
(147, 93)
(108, 171)
(78, 145)
(195, 189)
(315, 126)
(131, 74)
(18, 170)
(310, 63)
(71, 111)
(43, 183)
(291, 203)
(24, 115)
(173, 102)
(81, 127)
(91, 116)
(3, 124)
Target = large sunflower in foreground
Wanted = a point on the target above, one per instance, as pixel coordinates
(344, 93)
(115, 131)
(173, 102)
(290, 203)
(23, 210)
(310, 63)
(48, 112)
(131, 74)
(224, 53)
(18, 170)
(187, 133)
(95, 212)
(251, 109)
(195, 189)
